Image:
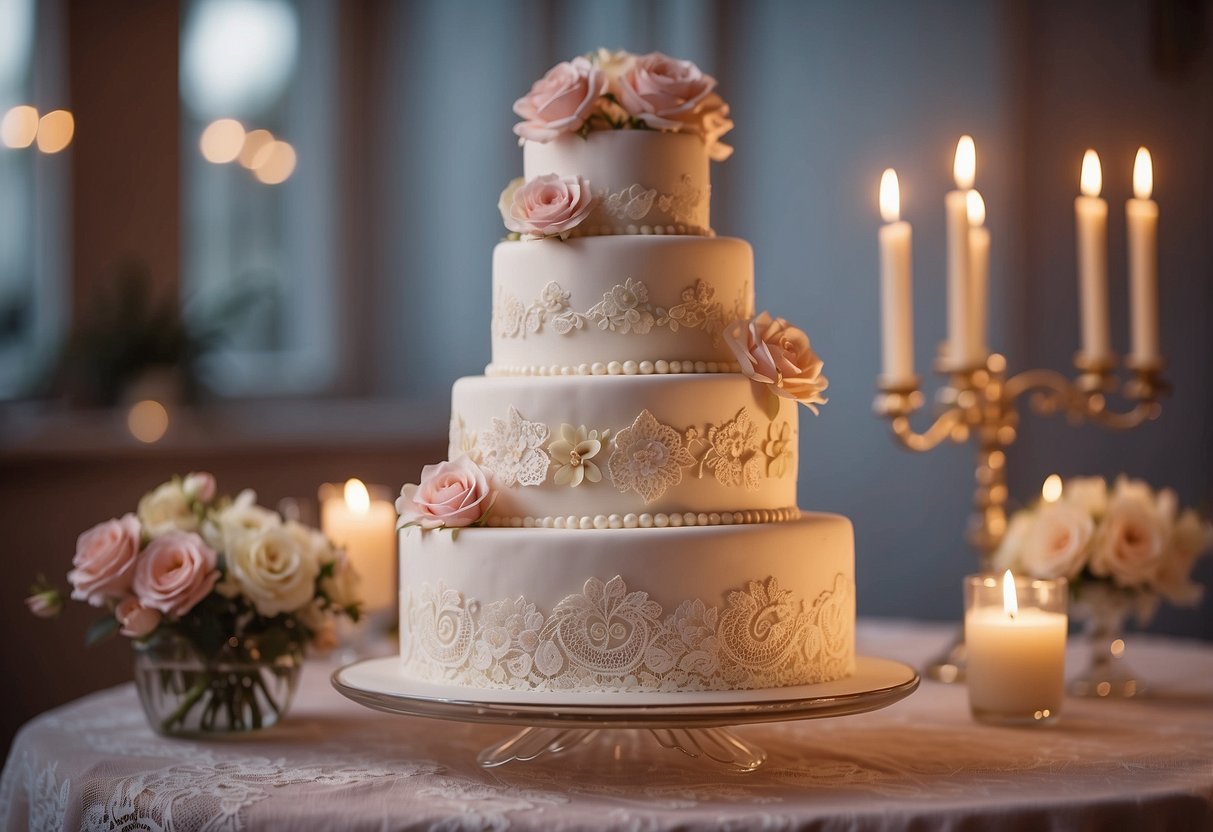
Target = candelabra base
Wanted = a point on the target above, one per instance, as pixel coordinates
(949, 666)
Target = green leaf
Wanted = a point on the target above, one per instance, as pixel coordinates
(772, 406)
(100, 630)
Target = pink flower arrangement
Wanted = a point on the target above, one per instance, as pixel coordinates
(773, 352)
(619, 90)
(190, 554)
(561, 101)
(450, 495)
(547, 206)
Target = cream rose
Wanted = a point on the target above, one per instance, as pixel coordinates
(136, 620)
(450, 494)
(105, 561)
(175, 572)
(771, 351)
(199, 486)
(243, 519)
(1056, 544)
(560, 101)
(1088, 493)
(1131, 541)
(547, 206)
(275, 570)
(1190, 538)
(341, 587)
(166, 509)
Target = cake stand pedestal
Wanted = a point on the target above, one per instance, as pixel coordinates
(697, 723)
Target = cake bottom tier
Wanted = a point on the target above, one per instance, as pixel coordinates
(698, 608)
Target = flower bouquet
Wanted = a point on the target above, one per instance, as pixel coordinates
(1123, 547)
(220, 597)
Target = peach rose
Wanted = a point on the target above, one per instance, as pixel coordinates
(772, 351)
(105, 561)
(137, 620)
(547, 206)
(199, 486)
(1190, 538)
(1056, 545)
(1131, 542)
(450, 494)
(668, 94)
(560, 101)
(175, 572)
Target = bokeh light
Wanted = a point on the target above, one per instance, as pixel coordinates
(55, 131)
(274, 163)
(147, 421)
(222, 141)
(253, 142)
(19, 126)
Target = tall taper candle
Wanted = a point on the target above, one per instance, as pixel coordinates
(1091, 213)
(1141, 214)
(897, 315)
(979, 272)
(961, 351)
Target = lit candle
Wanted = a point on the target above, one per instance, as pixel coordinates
(1141, 214)
(366, 529)
(897, 314)
(1091, 213)
(1050, 492)
(1015, 641)
(961, 350)
(979, 272)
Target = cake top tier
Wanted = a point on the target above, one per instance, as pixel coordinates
(616, 143)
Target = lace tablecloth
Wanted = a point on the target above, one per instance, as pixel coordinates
(1147, 764)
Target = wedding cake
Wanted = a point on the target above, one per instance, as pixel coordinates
(618, 508)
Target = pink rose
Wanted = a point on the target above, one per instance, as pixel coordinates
(560, 101)
(450, 494)
(45, 604)
(772, 351)
(175, 572)
(547, 206)
(105, 561)
(669, 94)
(137, 620)
(199, 486)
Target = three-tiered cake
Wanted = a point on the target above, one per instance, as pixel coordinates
(619, 511)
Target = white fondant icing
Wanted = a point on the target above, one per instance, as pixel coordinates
(636, 609)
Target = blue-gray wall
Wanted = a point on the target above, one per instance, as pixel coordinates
(826, 95)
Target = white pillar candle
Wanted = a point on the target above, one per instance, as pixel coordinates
(1141, 214)
(1091, 213)
(1015, 650)
(366, 528)
(960, 348)
(897, 314)
(979, 274)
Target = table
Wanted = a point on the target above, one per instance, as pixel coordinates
(1145, 764)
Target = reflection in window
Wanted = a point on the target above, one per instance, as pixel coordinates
(36, 127)
(256, 88)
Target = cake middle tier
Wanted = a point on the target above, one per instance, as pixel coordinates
(627, 451)
(618, 305)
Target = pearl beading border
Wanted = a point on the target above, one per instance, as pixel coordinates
(659, 520)
(614, 368)
(613, 230)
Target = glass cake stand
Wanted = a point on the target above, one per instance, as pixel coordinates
(696, 723)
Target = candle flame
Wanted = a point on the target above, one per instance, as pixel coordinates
(357, 497)
(1010, 604)
(964, 167)
(1050, 492)
(976, 207)
(1143, 174)
(890, 196)
(1091, 178)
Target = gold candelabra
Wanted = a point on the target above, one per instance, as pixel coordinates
(981, 403)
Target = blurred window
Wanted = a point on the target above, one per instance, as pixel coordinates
(257, 89)
(36, 130)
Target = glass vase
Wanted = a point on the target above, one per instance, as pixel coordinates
(232, 690)
(1103, 613)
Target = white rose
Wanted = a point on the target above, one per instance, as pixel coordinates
(166, 509)
(1056, 544)
(1009, 554)
(342, 586)
(1090, 493)
(313, 541)
(1190, 538)
(274, 571)
(244, 520)
(1131, 541)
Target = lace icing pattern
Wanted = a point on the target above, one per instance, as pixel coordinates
(647, 457)
(611, 638)
(623, 309)
(635, 202)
